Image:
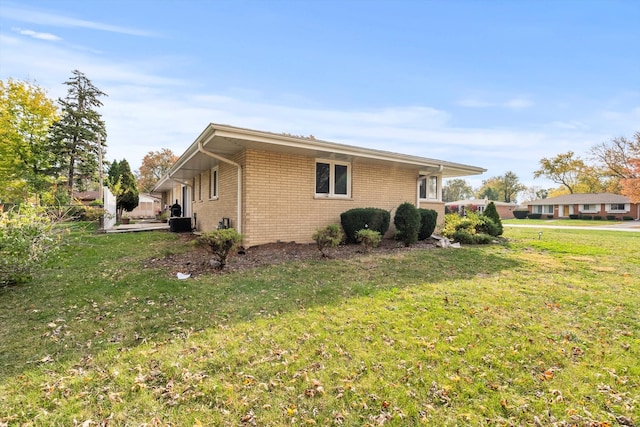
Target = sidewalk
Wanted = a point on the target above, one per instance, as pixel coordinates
(140, 225)
(633, 226)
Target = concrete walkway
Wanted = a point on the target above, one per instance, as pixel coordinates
(141, 225)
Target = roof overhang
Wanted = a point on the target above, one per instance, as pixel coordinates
(227, 141)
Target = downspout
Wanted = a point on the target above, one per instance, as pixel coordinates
(237, 165)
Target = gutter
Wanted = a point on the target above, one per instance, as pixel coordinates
(239, 167)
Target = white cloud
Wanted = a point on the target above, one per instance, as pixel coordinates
(517, 103)
(37, 35)
(39, 17)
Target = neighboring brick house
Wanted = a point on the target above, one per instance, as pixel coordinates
(505, 210)
(594, 204)
(278, 187)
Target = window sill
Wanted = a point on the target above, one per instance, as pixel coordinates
(323, 197)
(213, 199)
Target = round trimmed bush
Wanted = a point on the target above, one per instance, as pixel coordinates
(428, 220)
(407, 222)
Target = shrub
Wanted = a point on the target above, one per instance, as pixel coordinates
(220, 243)
(428, 220)
(627, 218)
(328, 237)
(27, 240)
(482, 239)
(534, 215)
(492, 213)
(550, 216)
(369, 239)
(358, 218)
(520, 213)
(574, 216)
(587, 217)
(611, 217)
(487, 225)
(597, 217)
(463, 236)
(407, 222)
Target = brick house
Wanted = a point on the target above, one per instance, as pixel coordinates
(505, 210)
(278, 187)
(594, 204)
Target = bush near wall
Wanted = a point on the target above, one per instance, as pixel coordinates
(356, 219)
(407, 222)
(627, 218)
(574, 216)
(428, 221)
(520, 213)
(534, 215)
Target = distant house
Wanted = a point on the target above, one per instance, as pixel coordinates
(596, 204)
(505, 210)
(148, 207)
(278, 187)
(86, 197)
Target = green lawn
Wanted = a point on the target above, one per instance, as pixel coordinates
(535, 331)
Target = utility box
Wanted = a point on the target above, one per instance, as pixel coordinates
(180, 225)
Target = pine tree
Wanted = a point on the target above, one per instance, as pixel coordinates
(492, 213)
(80, 133)
(122, 184)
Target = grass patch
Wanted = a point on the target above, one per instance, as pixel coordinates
(532, 331)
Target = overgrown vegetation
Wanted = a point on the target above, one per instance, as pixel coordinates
(220, 243)
(27, 241)
(538, 331)
(328, 237)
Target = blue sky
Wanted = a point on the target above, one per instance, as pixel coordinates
(496, 84)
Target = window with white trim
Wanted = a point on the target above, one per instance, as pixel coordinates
(589, 208)
(543, 209)
(333, 179)
(213, 183)
(618, 207)
(428, 188)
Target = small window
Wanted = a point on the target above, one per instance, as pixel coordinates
(428, 188)
(213, 183)
(589, 208)
(618, 207)
(333, 179)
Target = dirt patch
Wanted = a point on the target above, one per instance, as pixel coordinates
(196, 261)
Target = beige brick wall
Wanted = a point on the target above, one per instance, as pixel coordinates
(278, 196)
(281, 189)
(209, 212)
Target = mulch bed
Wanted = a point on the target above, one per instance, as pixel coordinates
(196, 261)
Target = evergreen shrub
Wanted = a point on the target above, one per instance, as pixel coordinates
(356, 219)
(407, 222)
(428, 220)
(369, 239)
(328, 237)
(220, 243)
(492, 213)
(520, 213)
